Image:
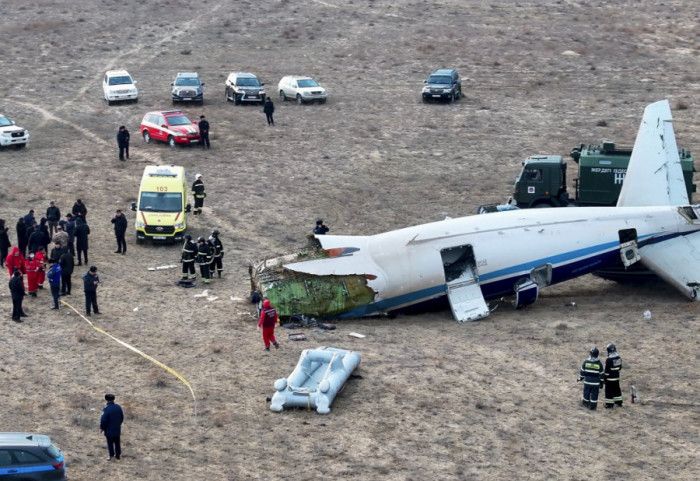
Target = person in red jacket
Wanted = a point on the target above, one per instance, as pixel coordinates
(40, 257)
(268, 321)
(32, 266)
(15, 259)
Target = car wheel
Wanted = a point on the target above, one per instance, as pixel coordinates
(237, 99)
(452, 97)
(109, 102)
(228, 99)
(282, 96)
(21, 146)
(136, 100)
(299, 100)
(171, 142)
(459, 94)
(322, 101)
(138, 241)
(146, 137)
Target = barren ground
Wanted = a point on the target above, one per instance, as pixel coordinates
(495, 399)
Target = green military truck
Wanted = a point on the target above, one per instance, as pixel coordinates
(601, 170)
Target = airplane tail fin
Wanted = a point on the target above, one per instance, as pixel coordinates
(654, 175)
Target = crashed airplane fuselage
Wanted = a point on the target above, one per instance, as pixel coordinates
(481, 257)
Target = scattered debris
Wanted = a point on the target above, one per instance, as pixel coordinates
(570, 304)
(635, 397)
(297, 336)
(136, 308)
(212, 298)
(236, 299)
(160, 268)
(355, 334)
(205, 293)
(647, 314)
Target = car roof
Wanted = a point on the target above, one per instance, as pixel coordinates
(165, 112)
(298, 77)
(114, 73)
(243, 74)
(187, 74)
(443, 71)
(24, 439)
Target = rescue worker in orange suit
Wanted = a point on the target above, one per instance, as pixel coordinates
(613, 365)
(189, 252)
(199, 194)
(217, 255)
(592, 376)
(203, 259)
(15, 259)
(40, 257)
(268, 321)
(32, 267)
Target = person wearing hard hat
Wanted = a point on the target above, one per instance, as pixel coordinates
(592, 376)
(613, 365)
(198, 193)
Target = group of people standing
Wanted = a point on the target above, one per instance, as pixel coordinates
(67, 236)
(595, 376)
(207, 253)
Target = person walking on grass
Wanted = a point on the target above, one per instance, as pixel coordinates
(90, 282)
(269, 109)
(119, 221)
(54, 277)
(17, 293)
(111, 426)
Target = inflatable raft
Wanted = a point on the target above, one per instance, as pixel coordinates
(316, 380)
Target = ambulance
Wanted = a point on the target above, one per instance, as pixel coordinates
(162, 204)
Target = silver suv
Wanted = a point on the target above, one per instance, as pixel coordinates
(30, 457)
(244, 87)
(187, 87)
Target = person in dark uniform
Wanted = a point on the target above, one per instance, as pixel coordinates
(198, 193)
(22, 238)
(54, 277)
(268, 322)
(320, 228)
(203, 259)
(44, 227)
(29, 219)
(204, 131)
(269, 109)
(82, 231)
(217, 263)
(67, 264)
(70, 230)
(36, 239)
(119, 221)
(592, 376)
(53, 215)
(17, 292)
(79, 210)
(111, 426)
(123, 142)
(189, 252)
(613, 366)
(4, 242)
(90, 282)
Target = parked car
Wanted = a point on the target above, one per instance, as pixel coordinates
(118, 85)
(244, 87)
(442, 84)
(30, 457)
(302, 89)
(187, 87)
(10, 134)
(171, 126)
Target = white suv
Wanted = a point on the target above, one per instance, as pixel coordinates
(10, 134)
(244, 87)
(118, 85)
(302, 89)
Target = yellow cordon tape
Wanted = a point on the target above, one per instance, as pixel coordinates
(142, 354)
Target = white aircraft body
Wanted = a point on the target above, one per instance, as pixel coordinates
(472, 259)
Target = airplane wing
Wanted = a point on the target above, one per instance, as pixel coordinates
(655, 163)
(677, 261)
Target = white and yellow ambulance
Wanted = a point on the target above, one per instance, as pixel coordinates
(162, 204)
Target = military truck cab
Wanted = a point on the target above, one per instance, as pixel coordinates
(541, 182)
(162, 204)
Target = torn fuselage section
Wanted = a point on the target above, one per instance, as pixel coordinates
(318, 295)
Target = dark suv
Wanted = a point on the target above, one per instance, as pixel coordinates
(443, 84)
(30, 457)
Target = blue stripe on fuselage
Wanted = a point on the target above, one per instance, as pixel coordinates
(590, 259)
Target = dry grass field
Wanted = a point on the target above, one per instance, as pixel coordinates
(491, 400)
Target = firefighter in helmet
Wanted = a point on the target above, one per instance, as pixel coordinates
(613, 365)
(592, 376)
(189, 252)
(203, 259)
(217, 255)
